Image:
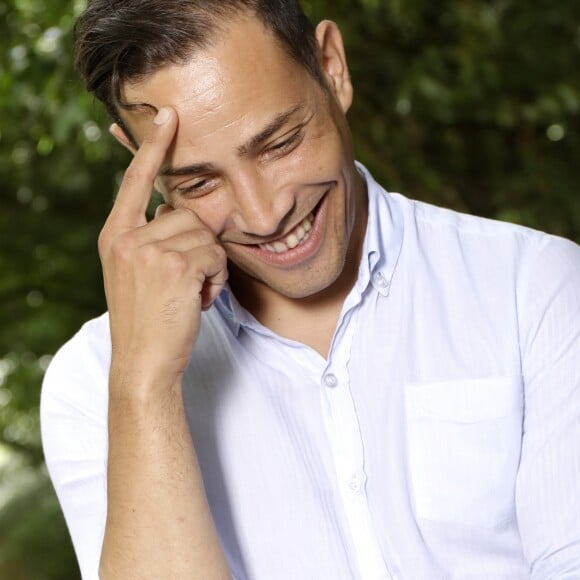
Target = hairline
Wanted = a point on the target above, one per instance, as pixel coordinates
(220, 30)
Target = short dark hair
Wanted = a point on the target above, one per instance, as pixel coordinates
(119, 41)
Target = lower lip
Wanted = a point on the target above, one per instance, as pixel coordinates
(301, 252)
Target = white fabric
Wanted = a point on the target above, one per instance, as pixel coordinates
(440, 440)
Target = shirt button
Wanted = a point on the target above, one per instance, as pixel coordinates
(380, 280)
(330, 380)
(355, 484)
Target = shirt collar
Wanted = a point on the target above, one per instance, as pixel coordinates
(383, 238)
(381, 249)
(232, 311)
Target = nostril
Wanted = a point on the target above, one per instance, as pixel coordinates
(265, 220)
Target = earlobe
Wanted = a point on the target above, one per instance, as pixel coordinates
(333, 62)
(120, 135)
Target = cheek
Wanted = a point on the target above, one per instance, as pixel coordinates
(210, 209)
(318, 159)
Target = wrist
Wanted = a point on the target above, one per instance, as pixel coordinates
(143, 383)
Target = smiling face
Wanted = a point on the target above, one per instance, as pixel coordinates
(263, 156)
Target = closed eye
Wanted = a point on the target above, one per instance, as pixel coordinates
(196, 187)
(285, 145)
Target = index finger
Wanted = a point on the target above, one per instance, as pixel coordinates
(138, 182)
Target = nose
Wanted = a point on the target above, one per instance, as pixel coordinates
(260, 203)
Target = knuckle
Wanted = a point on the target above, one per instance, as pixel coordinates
(103, 241)
(184, 213)
(175, 264)
(204, 237)
(122, 247)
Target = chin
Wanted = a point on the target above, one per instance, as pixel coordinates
(303, 284)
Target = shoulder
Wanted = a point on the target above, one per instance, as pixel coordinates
(429, 215)
(92, 340)
(73, 414)
(76, 381)
(87, 353)
(437, 227)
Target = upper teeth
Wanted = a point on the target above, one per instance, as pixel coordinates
(292, 239)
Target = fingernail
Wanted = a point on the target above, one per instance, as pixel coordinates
(162, 117)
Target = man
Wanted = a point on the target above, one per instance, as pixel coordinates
(377, 388)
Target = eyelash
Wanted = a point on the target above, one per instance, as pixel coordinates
(287, 145)
(195, 188)
(275, 150)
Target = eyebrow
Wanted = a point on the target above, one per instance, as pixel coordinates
(273, 127)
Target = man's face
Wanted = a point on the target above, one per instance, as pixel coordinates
(262, 155)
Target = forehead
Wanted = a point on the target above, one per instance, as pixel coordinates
(231, 87)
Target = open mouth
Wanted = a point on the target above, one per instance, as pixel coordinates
(293, 239)
(297, 237)
(299, 244)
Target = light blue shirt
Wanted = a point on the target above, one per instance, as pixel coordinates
(439, 440)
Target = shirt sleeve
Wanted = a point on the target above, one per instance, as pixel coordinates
(74, 435)
(548, 484)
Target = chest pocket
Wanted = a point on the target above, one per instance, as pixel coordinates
(464, 442)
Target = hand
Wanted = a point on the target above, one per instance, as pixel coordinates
(158, 276)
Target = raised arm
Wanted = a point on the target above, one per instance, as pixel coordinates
(158, 278)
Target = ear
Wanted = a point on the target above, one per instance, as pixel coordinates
(117, 132)
(333, 62)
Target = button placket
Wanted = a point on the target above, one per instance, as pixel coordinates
(347, 447)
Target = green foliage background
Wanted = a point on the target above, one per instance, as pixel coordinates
(472, 104)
